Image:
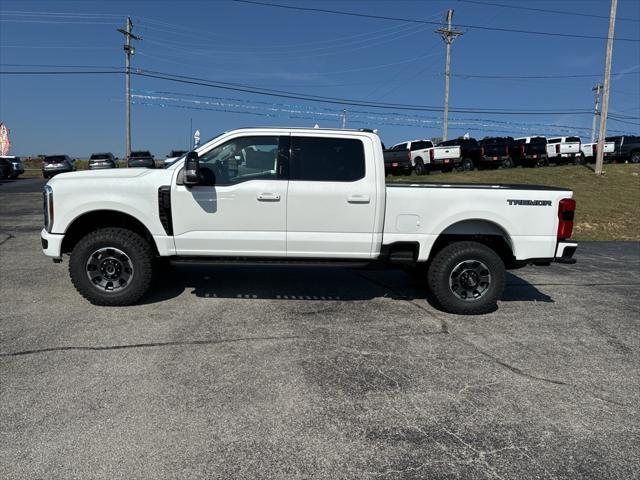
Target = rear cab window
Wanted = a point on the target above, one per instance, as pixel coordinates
(326, 159)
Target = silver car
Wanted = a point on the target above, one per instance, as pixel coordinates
(54, 164)
(98, 161)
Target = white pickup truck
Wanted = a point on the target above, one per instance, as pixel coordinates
(424, 156)
(288, 195)
(565, 150)
(590, 150)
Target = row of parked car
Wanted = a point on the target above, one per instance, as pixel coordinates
(464, 153)
(54, 164)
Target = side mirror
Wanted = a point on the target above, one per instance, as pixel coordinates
(191, 169)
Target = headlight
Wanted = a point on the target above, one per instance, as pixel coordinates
(48, 207)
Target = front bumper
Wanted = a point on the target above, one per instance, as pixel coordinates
(565, 252)
(51, 244)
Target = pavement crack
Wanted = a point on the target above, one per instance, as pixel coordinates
(9, 237)
(145, 345)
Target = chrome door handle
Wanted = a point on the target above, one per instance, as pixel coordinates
(358, 198)
(268, 197)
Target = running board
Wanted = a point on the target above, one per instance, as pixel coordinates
(247, 261)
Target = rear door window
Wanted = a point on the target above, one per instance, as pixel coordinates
(327, 159)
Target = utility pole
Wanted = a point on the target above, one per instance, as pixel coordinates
(607, 85)
(448, 35)
(129, 50)
(344, 118)
(597, 89)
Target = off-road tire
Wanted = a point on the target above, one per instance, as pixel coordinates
(133, 245)
(445, 262)
(419, 168)
(507, 163)
(467, 165)
(635, 157)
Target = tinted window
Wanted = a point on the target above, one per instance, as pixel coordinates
(100, 156)
(538, 140)
(551, 140)
(327, 159)
(417, 146)
(573, 139)
(240, 160)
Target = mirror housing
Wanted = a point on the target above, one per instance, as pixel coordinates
(191, 169)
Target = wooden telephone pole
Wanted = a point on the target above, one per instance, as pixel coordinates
(448, 35)
(606, 87)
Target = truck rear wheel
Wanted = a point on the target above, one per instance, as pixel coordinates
(507, 163)
(466, 165)
(635, 157)
(466, 278)
(111, 266)
(418, 167)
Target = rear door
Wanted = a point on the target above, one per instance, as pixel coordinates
(332, 196)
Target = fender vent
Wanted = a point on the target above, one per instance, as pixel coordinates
(164, 208)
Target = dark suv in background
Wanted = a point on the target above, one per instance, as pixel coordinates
(626, 148)
(54, 164)
(99, 161)
(141, 158)
(5, 168)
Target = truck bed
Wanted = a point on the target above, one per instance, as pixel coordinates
(489, 209)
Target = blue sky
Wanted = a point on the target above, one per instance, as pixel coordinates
(307, 52)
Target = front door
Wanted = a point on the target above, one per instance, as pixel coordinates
(240, 207)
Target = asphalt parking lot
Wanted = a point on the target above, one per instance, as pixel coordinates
(271, 372)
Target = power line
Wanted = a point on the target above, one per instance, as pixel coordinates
(301, 96)
(49, 65)
(339, 101)
(508, 77)
(66, 72)
(411, 20)
(560, 12)
(58, 14)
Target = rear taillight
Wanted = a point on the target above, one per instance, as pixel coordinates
(482, 151)
(506, 149)
(557, 148)
(522, 149)
(431, 154)
(594, 149)
(566, 211)
(409, 155)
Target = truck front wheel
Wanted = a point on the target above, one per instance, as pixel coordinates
(418, 167)
(111, 266)
(466, 278)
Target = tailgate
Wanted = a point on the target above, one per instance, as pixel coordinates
(495, 150)
(441, 153)
(570, 148)
(536, 148)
